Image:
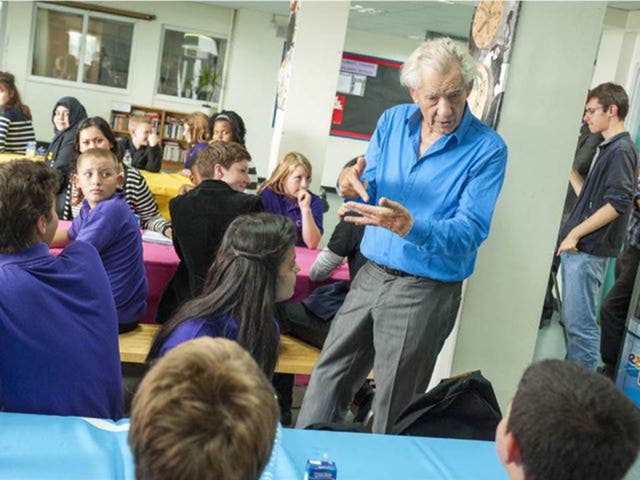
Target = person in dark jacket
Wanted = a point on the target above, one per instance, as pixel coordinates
(595, 228)
(143, 146)
(201, 216)
(585, 151)
(68, 112)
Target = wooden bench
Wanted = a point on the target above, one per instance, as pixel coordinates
(295, 356)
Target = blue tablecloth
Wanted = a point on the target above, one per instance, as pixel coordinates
(49, 447)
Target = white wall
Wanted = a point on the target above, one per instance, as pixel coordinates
(552, 65)
(41, 94)
(253, 78)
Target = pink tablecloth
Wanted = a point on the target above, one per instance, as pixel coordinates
(304, 286)
(161, 262)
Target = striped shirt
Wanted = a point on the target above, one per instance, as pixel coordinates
(16, 131)
(253, 176)
(138, 197)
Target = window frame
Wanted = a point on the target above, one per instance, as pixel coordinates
(4, 10)
(77, 83)
(163, 97)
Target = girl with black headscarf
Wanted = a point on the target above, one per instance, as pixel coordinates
(66, 116)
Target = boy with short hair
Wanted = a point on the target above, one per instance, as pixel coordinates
(107, 222)
(201, 216)
(58, 322)
(595, 228)
(565, 422)
(225, 430)
(144, 144)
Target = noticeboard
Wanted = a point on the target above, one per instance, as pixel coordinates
(367, 86)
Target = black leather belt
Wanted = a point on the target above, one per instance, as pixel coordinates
(393, 271)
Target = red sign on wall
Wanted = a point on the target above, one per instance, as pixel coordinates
(338, 110)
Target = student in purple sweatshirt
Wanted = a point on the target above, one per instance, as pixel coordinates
(58, 322)
(106, 222)
(254, 268)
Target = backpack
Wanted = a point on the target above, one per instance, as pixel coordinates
(462, 407)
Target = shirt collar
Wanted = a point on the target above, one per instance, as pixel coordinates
(615, 138)
(119, 193)
(36, 250)
(467, 117)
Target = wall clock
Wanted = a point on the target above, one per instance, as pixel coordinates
(490, 42)
(485, 23)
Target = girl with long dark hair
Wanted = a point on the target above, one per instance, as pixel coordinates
(254, 268)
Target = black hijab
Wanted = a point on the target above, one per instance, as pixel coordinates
(60, 152)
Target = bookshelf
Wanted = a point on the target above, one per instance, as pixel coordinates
(166, 123)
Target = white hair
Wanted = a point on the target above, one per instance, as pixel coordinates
(439, 54)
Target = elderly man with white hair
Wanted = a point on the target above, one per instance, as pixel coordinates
(427, 186)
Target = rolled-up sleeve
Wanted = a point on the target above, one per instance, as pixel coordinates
(620, 181)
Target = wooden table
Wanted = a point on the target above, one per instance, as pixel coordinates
(8, 156)
(295, 356)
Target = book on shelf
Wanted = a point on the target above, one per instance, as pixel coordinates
(119, 121)
(172, 152)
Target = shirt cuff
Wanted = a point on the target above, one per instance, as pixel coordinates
(419, 234)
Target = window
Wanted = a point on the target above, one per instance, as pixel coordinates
(79, 47)
(191, 65)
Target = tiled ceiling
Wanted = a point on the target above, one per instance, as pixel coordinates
(403, 19)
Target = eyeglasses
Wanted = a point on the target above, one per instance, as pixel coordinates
(591, 111)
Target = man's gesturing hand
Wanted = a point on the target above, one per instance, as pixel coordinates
(349, 184)
(389, 215)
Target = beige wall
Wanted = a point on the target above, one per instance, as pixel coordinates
(552, 64)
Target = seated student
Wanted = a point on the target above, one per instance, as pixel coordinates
(196, 135)
(254, 268)
(227, 428)
(344, 242)
(565, 422)
(201, 216)
(58, 323)
(144, 145)
(66, 116)
(228, 126)
(95, 132)
(16, 129)
(106, 222)
(286, 193)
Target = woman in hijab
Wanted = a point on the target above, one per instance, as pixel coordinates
(67, 114)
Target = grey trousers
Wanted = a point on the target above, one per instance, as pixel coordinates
(397, 325)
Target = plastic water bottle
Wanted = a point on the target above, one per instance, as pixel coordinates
(127, 158)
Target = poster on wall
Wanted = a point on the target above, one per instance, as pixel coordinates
(490, 42)
(367, 86)
(284, 73)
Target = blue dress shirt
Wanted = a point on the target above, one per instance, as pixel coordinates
(450, 192)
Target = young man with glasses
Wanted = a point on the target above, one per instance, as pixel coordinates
(595, 228)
